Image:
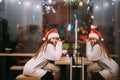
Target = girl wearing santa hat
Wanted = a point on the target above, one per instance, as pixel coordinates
(40, 63)
(103, 65)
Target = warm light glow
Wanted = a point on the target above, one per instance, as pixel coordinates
(80, 3)
(81, 28)
(92, 17)
(83, 31)
(92, 27)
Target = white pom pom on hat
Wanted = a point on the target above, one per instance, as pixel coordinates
(44, 39)
(50, 34)
(94, 33)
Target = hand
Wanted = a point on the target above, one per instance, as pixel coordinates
(61, 40)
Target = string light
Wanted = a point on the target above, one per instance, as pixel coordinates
(80, 3)
(92, 16)
(49, 8)
(50, 1)
(27, 3)
(1, 1)
(19, 2)
(48, 5)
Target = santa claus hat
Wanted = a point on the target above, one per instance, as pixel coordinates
(50, 34)
(95, 34)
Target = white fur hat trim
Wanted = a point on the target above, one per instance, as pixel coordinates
(53, 35)
(94, 36)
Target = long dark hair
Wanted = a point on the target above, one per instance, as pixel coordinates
(42, 48)
(103, 48)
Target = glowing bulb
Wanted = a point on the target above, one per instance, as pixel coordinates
(19, 2)
(80, 3)
(97, 7)
(0, 1)
(37, 6)
(92, 27)
(50, 1)
(92, 17)
(27, 3)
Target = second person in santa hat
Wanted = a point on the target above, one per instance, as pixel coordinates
(103, 65)
(40, 63)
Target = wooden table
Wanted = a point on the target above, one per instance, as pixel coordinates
(7, 60)
(66, 61)
(17, 54)
(63, 62)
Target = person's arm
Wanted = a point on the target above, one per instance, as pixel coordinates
(54, 52)
(94, 53)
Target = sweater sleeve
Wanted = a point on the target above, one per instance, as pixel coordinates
(54, 52)
(93, 53)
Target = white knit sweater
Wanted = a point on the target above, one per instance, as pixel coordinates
(109, 67)
(34, 67)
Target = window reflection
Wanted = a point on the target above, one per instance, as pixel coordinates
(28, 20)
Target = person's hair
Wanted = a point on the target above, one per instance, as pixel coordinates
(103, 48)
(42, 48)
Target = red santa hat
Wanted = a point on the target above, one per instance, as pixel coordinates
(95, 34)
(50, 34)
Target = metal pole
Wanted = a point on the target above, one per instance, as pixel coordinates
(82, 59)
(70, 68)
(76, 22)
(82, 62)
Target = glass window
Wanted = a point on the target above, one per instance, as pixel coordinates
(24, 22)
